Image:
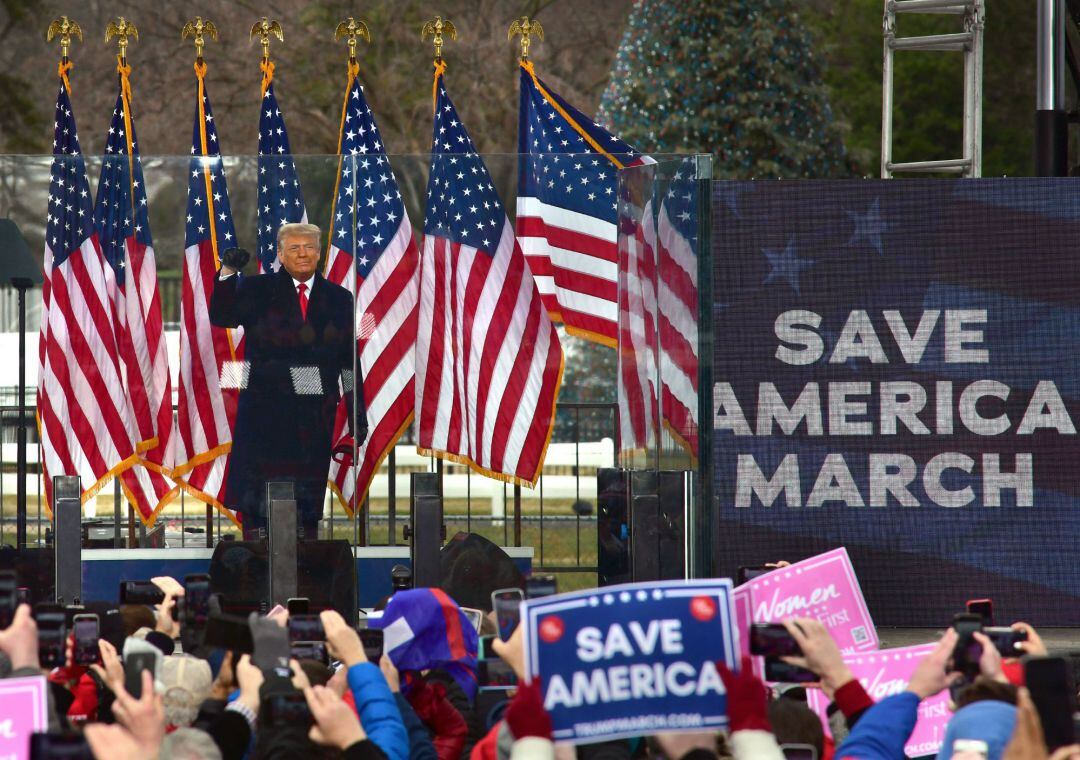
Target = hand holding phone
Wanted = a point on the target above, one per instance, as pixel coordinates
(506, 603)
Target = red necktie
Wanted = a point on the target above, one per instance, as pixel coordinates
(301, 290)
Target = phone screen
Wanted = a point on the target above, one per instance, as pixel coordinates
(539, 586)
(1049, 681)
(495, 674)
(772, 640)
(507, 606)
(87, 629)
(778, 671)
(968, 651)
(310, 650)
(140, 592)
(372, 639)
(133, 670)
(66, 746)
(306, 628)
(196, 599)
(52, 633)
(8, 599)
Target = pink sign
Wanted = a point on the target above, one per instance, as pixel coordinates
(885, 673)
(822, 587)
(23, 710)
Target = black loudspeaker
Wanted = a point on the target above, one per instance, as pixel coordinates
(613, 526)
(326, 574)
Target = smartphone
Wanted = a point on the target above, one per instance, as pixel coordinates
(310, 650)
(484, 650)
(140, 592)
(778, 671)
(506, 602)
(372, 639)
(1050, 683)
(298, 605)
(495, 675)
(1006, 640)
(799, 751)
(539, 586)
(87, 629)
(196, 599)
(306, 628)
(965, 657)
(52, 634)
(749, 572)
(773, 640)
(229, 632)
(984, 608)
(8, 599)
(134, 665)
(22, 596)
(475, 617)
(288, 710)
(59, 746)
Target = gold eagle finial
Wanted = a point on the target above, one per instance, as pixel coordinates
(196, 29)
(262, 29)
(526, 29)
(436, 27)
(352, 29)
(65, 28)
(121, 28)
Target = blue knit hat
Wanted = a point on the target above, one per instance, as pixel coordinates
(989, 720)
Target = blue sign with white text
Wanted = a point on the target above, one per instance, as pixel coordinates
(632, 660)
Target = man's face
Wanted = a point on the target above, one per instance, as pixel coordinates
(299, 254)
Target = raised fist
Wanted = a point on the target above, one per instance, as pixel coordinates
(235, 258)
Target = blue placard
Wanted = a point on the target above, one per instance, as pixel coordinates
(632, 660)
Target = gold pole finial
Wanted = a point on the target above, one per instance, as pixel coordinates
(64, 28)
(352, 29)
(122, 29)
(436, 27)
(526, 29)
(262, 29)
(196, 28)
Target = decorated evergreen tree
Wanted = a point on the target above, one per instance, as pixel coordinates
(736, 79)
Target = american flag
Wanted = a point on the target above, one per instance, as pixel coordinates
(122, 222)
(372, 253)
(488, 359)
(567, 209)
(211, 367)
(280, 198)
(637, 366)
(677, 306)
(84, 420)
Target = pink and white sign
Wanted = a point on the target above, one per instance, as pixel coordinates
(822, 587)
(23, 710)
(885, 673)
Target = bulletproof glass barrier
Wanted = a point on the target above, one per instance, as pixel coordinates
(665, 327)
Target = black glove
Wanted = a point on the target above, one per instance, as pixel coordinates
(235, 258)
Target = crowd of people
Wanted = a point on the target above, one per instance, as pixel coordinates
(420, 699)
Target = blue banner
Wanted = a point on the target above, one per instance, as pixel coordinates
(897, 370)
(632, 660)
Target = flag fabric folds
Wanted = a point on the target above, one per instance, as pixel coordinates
(212, 370)
(372, 252)
(84, 420)
(280, 198)
(677, 306)
(567, 209)
(488, 359)
(122, 223)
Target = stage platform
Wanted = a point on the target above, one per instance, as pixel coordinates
(104, 569)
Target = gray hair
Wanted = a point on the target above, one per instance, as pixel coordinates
(298, 228)
(188, 744)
